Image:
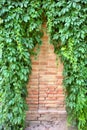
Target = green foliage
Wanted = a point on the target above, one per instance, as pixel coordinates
(20, 32)
(67, 26)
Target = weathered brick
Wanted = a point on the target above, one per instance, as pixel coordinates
(34, 123)
(53, 105)
(45, 89)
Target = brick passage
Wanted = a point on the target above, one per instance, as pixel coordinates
(50, 78)
(45, 92)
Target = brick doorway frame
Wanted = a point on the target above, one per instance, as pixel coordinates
(45, 90)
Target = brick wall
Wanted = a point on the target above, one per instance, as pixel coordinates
(45, 92)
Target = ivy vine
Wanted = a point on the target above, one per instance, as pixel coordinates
(20, 32)
(67, 26)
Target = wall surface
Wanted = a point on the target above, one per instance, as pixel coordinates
(45, 91)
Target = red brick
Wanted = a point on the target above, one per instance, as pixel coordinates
(33, 83)
(45, 89)
(33, 96)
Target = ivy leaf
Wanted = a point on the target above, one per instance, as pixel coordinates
(26, 18)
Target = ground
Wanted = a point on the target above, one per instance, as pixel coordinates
(58, 125)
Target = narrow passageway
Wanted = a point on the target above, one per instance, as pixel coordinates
(45, 90)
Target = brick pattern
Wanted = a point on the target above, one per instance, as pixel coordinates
(45, 90)
(39, 117)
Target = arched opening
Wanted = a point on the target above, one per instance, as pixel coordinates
(45, 90)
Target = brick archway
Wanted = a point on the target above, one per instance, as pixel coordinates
(45, 91)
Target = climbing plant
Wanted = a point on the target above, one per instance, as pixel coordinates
(67, 26)
(20, 32)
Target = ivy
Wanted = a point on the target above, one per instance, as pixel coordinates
(67, 26)
(20, 32)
